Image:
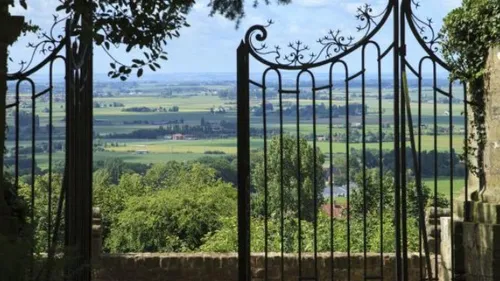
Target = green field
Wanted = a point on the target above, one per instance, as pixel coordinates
(194, 105)
(444, 184)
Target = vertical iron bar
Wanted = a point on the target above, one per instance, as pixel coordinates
(452, 153)
(402, 56)
(363, 116)
(49, 210)
(299, 178)
(466, 152)
(68, 145)
(266, 192)
(381, 168)
(421, 269)
(330, 140)
(348, 176)
(16, 169)
(243, 104)
(33, 165)
(315, 180)
(282, 179)
(436, 244)
(397, 172)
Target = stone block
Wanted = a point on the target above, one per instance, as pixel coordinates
(170, 262)
(480, 212)
(481, 247)
(148, 261)
(128, 262)
(452, 259)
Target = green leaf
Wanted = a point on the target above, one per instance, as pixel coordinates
(139, 72)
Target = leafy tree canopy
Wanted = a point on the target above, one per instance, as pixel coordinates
(280, 173)
(173, 219)
(468, 33)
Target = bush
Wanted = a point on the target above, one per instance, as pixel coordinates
(225, 239)
(216, 152)
(171, 220)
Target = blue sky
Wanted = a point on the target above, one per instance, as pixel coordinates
(209, 45)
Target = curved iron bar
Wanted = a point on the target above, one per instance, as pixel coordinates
(55, 45)
(334, 45)
(50, 43)
(424, 33)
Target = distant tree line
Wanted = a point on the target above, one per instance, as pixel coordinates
(322, 111)
(147, 122)
(103, 104)
(174, 108)
(223, 129)
(356, 164)
(355, 136)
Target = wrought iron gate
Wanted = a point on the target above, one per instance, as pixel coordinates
(276, 114)
(60, 210)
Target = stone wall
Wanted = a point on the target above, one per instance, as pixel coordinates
(475, 228)
(224, 267)
(492, 122)
(433, 226)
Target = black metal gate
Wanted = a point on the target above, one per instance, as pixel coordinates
(389, 137)
(60, 203)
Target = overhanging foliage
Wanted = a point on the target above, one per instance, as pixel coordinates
(468, 33)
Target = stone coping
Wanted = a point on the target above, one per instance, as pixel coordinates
(271, 254)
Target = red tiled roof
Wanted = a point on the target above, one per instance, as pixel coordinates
(337, 210)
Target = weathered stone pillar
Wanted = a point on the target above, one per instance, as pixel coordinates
(492, 150)
(476, 226)
(9, 32)
(11, 250)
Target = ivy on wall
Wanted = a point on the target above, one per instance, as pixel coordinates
(468, 33)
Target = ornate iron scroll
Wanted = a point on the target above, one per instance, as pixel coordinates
(424, 32)
(333, 45)
(49, 46)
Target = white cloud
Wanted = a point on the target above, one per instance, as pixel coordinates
(210, 43)
(312, 3)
